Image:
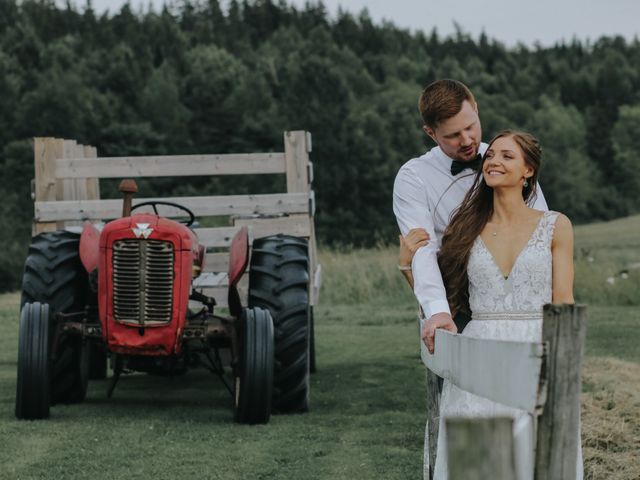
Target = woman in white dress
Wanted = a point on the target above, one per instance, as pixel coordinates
(501, 261)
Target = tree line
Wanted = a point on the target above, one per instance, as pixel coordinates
(213, 77)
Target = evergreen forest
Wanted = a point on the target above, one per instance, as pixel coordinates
(208, 76)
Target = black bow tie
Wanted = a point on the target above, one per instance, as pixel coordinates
(457, 167)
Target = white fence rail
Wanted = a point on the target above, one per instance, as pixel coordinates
(542, 378)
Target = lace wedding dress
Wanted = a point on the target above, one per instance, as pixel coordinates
(504, 308)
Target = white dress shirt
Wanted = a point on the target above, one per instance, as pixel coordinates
(425, 195)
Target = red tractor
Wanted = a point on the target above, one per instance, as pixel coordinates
(125, 294)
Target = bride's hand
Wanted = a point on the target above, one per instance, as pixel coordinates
(409, 244)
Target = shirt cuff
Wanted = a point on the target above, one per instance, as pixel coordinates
(438, 306)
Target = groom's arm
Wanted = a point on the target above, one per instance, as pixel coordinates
(412, 211)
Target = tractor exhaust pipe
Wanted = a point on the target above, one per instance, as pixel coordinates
(128, 187)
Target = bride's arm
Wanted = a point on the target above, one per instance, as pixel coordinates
(416, 238)
(562, 252)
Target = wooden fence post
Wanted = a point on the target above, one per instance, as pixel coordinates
(433, 417)
(564, 330)
(480, 448)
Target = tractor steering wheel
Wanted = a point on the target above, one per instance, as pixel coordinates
(154, 203)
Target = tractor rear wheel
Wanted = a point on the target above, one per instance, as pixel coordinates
(278, 282)
(33, 386)
(254, 371)
(53, 274)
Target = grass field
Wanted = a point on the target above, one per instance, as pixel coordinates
(367, 419)
(367, 415)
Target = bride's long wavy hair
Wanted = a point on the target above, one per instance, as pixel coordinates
(470, 218)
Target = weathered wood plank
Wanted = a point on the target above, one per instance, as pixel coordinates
(211, 280)
(564, 329)
(480, 448)
(93, 183)
(316, 283)
(217, 262)
(315, 279)
(297, 145)
(71, 188)
(296, 153)
(503, 371)
(216, 236)
(45, 180)
(269, 204)
(170, 166)
(67, 189)
(296, 225)
(433, 418)
(44, 150)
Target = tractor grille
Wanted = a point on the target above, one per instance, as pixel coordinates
(142, 281)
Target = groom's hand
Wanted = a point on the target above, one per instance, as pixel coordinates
(439, 320)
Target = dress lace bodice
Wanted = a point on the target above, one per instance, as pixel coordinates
(528, 286)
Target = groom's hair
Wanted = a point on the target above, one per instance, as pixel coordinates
(442, 100)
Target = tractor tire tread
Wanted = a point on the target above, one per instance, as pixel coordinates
(54, 275)
(278, 281)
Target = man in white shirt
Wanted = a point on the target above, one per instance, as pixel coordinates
(428, 189)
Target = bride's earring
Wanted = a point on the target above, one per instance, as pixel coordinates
(526, 183)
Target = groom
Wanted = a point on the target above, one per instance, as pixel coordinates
(429, 188)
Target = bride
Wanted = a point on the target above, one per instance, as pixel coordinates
(501, 261)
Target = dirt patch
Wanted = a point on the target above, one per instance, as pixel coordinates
(611, 419)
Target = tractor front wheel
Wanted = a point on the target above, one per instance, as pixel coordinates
(254, 371)
(33, 387)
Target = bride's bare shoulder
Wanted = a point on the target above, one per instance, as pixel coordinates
(563, 230)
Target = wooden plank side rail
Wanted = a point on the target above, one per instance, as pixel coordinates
(170, 165)
(552, 372)
(267, 204)
(67, 192)
(50, 188)
(298, 226)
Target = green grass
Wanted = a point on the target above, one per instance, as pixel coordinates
(367, 414)
(602, 251)
(365, 423)
(614, 332)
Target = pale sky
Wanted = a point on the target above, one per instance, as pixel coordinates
(509, 21)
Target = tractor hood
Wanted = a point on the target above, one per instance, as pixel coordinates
(149, 226)
(144, 282)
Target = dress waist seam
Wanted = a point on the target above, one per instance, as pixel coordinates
(534, 315)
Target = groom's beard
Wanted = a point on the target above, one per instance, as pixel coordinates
(467, 154)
